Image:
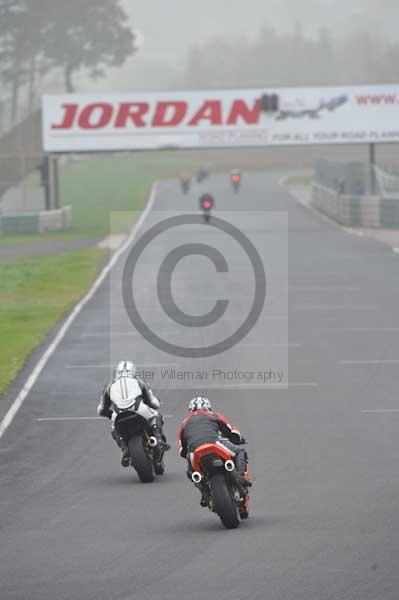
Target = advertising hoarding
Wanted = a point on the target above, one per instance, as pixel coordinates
(225, 118)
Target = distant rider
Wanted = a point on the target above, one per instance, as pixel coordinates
(202, 426)
(125, 371)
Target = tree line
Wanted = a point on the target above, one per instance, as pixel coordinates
(288, 59)
(65, 35)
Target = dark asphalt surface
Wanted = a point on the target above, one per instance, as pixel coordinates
(324, 522)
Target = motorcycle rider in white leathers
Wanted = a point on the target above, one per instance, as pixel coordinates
(124, 382)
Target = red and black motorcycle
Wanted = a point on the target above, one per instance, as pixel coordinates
(235, 178)
(206, 204)
(215, 475)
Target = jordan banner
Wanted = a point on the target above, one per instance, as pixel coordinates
(220, 119)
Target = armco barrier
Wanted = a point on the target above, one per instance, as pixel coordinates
(39, 222)
(353, 178)
(55, 220)
(389, 212)
(349, 210)
(19, 224)
(369, 211)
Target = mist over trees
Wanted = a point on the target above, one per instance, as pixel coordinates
(289, 59)
(37, 38)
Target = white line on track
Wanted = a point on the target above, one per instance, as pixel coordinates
(109, 332)
(41, 419)
(383, 254)
(333, 307)
(113, 336)
(262, 318)
(260, 345)
(30, 382)
(70, 419)
(324, 288)
(109, 366)
(249, 386)
(380, 410)
(362, 329)
(393, 361)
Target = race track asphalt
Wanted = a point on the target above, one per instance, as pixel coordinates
(324, 454)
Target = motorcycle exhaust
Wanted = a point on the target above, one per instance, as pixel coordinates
(153, 442)
(229, 466)
(196, 477)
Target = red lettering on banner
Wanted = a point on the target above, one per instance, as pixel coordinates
(70, 111)
(210, 111)
(169, 114)
(96, 116)
(131, 111)
(241, 110)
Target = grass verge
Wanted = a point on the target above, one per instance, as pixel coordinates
(12, 240)
(305, 180)
(94, 187)
(34, 295)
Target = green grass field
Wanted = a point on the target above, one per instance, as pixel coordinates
(34, 295)
(94, 187)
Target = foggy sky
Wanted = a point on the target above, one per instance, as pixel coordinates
(169, 27)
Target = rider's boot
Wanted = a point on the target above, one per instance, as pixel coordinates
(125, 461)
(157, 432)
(204, 500)
(241, 460)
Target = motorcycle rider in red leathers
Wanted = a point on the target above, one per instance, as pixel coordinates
(202, 426)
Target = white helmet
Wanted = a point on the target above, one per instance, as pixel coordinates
(124, 368)
(199, 403)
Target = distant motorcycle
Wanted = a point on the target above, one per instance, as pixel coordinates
(216, 477)
(235, 178)
(146, 456)
(202, 173)
(206, 204)
(185, 181)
